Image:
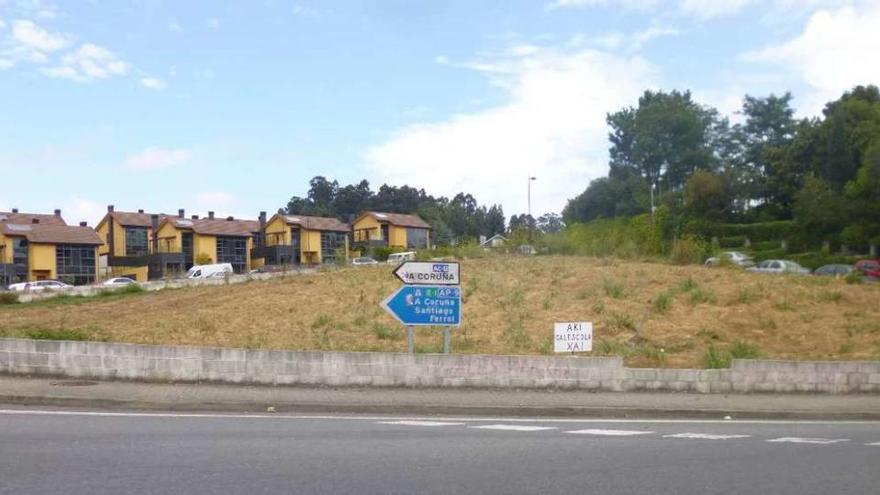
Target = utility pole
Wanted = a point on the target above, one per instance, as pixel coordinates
(529, 220)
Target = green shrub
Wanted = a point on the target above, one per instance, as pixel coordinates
(715, 358)
(621, 321)
(743, 350)
(700, 295)
(384, 332)
(688, 285)
(854, 277)
(734, 241)
(612, 289)
(663, 302)
(8, 298)
(688, 250)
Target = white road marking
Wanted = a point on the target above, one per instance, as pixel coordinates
(514, 427)
(821, 441)
(705, 436)
(611, 433)
(419, 423)
(484, 419)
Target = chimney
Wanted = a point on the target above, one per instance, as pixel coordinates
(181, 213)
(35, 220)
(140, 211)
(154, 223)
(109, 208)
(195, 217)
(15, 210)
(84, 224)
(262, 228)
(229, 219)
(57, 213)
(211, 215)
(281, 211)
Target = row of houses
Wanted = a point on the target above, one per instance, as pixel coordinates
(146, 246)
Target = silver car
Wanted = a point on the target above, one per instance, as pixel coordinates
(735, 257)
(779, 267)
(39, 286)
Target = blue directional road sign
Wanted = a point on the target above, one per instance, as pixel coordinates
(425, 305)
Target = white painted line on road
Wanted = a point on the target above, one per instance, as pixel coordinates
(514, 427)
(705, 436)
(821, 441)
(419, 423)
(611, 433)
(480, 419)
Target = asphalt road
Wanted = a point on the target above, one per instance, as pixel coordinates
(89, 453)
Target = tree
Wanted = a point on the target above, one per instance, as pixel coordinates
(705, 196)
(494, 221)
(768, 130)
(550, 223)
(664, 139)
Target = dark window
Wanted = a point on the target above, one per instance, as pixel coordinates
(75, 264)
(295, 242)
(258, 240)
(135, 241)
(233, 250)
(186, 247)
(330, 242)
(417, 238)
(20, 252)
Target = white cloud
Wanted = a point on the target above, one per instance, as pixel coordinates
(213, 23)
(156, 159)
(174, 27)
(2, 24)
(29, 35)
(711, 9)
(77, 209)
(630, 4)
(836, 51)
(88, 63)
(5, 63)
(153, 83)
(552, 126)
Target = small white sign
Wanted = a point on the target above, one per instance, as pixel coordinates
(573, 336)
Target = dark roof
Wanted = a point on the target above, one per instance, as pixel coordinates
(217, 226)
(46, 233)
(28, 218)
(316, 223)
(133, 219)
(398, 219)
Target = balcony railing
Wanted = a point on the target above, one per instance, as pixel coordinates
(278, 254)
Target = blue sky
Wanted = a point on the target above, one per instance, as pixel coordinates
(234, 106)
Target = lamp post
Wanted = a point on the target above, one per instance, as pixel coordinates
(653, 186)
(529, 219)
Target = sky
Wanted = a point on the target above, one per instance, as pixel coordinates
(233, 106)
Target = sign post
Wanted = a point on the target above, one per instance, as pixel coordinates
(431, 297)
(573, 336)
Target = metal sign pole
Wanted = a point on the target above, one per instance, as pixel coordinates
(410, 340)
(445, 340)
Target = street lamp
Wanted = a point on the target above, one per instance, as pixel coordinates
(529, 220)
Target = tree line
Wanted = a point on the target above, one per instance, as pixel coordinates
(459, 219)
(821, 173)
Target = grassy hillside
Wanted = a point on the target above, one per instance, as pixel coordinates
(652, 314)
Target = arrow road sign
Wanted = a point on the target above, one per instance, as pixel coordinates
(424, 305)
(428, 273)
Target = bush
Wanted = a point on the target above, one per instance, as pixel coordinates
(8, 298)
(756, 232)
(743, 350)
(203, 259)
(734, 241)
(715, 358)
(58, 334)
(688, 250)
(663, 302)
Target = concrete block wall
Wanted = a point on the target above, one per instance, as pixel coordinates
(100, 360)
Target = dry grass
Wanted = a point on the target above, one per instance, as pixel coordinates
(510, 306)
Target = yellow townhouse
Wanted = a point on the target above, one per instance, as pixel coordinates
(301, 239)
(43, 247)
(394, 230)
(184, 242)
(128, 243)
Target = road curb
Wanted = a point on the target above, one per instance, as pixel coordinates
(429, 409)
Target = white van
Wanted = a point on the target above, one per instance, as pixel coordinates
(398, 258)
(218, 270)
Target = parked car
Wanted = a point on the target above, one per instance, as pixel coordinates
(778, 267)
(398, 258)
(118, 281)
(39, 286)
(870, 268)
(834, 270)
(217, 270)
(733, 257)
(364, 261)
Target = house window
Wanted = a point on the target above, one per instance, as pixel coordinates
(330, 242)
(20, 252)
(416, 238)
(75, 264)
(135, 241)
(233, 250)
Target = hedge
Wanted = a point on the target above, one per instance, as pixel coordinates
(756, 232)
